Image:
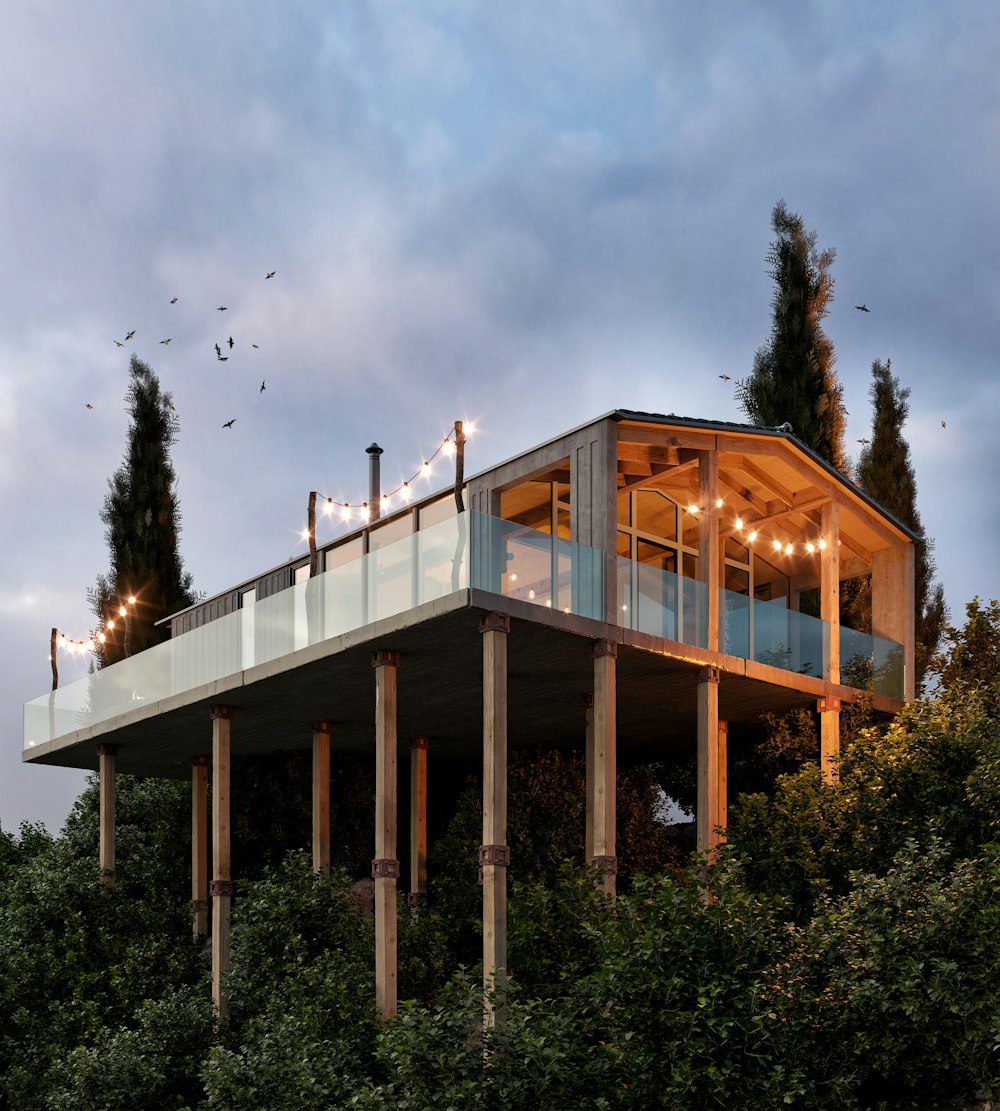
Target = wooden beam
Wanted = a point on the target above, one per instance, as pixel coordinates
(222, 878)
(199, 845)
(661, 436)
(647, 453)
(707, 817)
(494, 852)
(829, 591)
(418, 819)
(767, 480)
(588, 832)
(722, 807)
(385, 866)
(708, 543)
(106, 755)
(321, 797)
(602, 772)
(828, 709)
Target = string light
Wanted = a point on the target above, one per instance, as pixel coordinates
(78, 646)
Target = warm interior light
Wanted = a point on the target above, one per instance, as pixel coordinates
(131, 599)
(788, 549)
(810, 547)
(513, 576)
(752, 536)
(739, 522)
(777, 545)
(822, 544)
(122, 611)
(531, 595)
(719, 503)
(110, 625)
(101, 637)
(693, 508)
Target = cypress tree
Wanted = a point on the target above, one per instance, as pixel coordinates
(142, 524)
(793, 378)
(885, 473)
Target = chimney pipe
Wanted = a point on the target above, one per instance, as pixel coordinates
(374, 482)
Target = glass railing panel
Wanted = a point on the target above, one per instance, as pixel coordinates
(868, 661)
(662, 603)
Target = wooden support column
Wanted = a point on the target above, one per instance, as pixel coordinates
(199, 845)
(829, 590)
(385, 866)
(829, 738)
(418, 820)
(588, 851)
(602, 769)
(709, 564)
(494, 852)
(708, 816)
(106, 755)
(893, 612)
(321, 797)
(723, 803)
(222, 880)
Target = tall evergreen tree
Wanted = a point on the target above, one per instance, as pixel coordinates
(885, 473)
(793, 378)
(143, 522)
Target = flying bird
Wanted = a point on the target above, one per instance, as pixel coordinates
(724, 377)
(862, 308)
(864, 441)
(118, 343)
(222, 308)
(229, 423)
(253, 345)
(173, 300)
(223, 358)
(164, 342)
(263, 387)
(944, 424)
(88, 405)
(218, 351)
(230, 343)
(129, 335)
(271, 275)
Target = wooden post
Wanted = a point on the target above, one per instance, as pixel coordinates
(385, 866)
(708, 542)
(459, 466)
(321, 797)
(52, 658)
(199, 845)
(311, 524)
(893, 615)
(418, 820)
(588, 851)
(222, 880)
(106, 769)
(494, 852)
(602, 781)
(723, 803)
(829, 738)
(707, 817)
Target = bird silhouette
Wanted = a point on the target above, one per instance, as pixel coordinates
(229, 423)
(864, 441)
(218, 351)
(254, 345)
(862, 308)
(173, 300)
(222, 308)
(129, 335)
(230, 343)
(263, 387)
(88, 405)
(944, 424)
(271, 275)
(223, 358)
(118, 343)
(164, 342)
(724, 377)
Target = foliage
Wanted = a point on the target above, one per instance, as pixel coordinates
(971, 662)
(885, 472)
(142, 523)
(793, 378)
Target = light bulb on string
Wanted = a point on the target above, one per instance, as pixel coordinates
(822, 544)
(131, 599)
(788, 549)
(776, 544)
(448, 447)
(739, 523)
(110, 624)
(719, 503)
(406, 492)
(810, 547)
(425, 470)
(122, 611)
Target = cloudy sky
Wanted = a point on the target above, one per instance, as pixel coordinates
(522, 214)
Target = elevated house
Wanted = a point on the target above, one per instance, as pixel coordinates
(641, 585)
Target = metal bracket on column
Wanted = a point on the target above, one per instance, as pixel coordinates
(385, 657)
(495, 623)
(223, 712)
(107, 750)
(419, 743)
(606, 865)
(827, 705)
(708, 675)
(220, 887)
(385, 868)
(199, 905)
(320, 727)
(494, 854)
(603, 648)
(201, 761)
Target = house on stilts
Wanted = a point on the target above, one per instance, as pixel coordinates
(642, 585)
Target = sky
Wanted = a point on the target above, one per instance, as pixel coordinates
(523, 215)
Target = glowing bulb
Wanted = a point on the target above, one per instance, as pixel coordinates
(548, 603)
(406, 492)
(752, 536)
(739, 522)
(693, 509)
(777, 545)
(425, 470)
(513, 576)
(531, 594)
(624, 608)
(345, 511)
(328, 508)
(810, 547)
(101, 637)
(110, 625)
(386, 500)
(822, 544)
(468, 428)
(448, 447)
(122, 611)
(366, 513)
(305, 534)
(131, 599)
(788, 549)
(719, 503)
